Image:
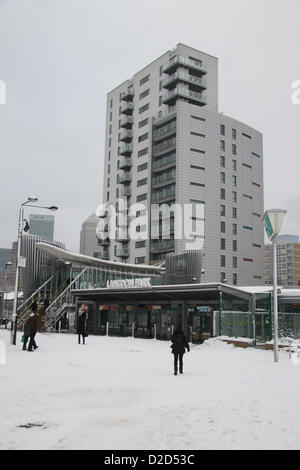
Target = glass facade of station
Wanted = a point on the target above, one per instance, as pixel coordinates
(216, 314)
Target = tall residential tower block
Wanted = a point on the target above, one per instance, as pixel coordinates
(166, 144)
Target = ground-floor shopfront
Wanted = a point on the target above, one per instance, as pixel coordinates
(203, 311)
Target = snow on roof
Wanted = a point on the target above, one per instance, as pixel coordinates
(282, 292)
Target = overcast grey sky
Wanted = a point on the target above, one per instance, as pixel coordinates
(59, 58)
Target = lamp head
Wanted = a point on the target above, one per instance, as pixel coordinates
(32, 199)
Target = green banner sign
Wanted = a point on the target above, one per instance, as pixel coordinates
(269, 227)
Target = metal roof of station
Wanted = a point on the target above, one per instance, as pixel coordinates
(183, 292)
(178, 292)
(83, 260)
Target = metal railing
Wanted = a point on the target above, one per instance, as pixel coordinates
(42, 292)
(56, 309)
(158, 164)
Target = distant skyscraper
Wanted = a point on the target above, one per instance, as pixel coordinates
(5, 256)
(42, 226)
(288, 261)
(88, 240)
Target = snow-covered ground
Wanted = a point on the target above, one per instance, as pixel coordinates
(120, 393)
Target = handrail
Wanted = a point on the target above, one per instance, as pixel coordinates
(34, 294)
(66, 290)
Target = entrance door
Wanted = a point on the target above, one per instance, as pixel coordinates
(201, 323)
(206, 325)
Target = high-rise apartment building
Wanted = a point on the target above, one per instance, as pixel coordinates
(5, 257)
(42, 226)
(288, 261)
(167, 144)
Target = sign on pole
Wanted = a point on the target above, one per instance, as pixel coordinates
(22, 262)
(273, 221)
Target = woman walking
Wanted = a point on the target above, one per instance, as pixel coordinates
(81, 327)
(179, 345)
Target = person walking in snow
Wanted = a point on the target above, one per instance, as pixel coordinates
(81, 327)
(31, 329)
(178, 346)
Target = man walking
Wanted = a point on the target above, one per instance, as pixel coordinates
(30, 330)
(179, 345)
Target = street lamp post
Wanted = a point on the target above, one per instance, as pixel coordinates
(5, 291)
(19, 242)
(69, 297)
(273, 219)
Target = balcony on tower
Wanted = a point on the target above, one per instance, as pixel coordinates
(126, 135)
(164, 163)
(162, 246)
(164, 147)
(125, 192)
(122, 252)
(125, 149)
(178, 61)
(125, 163)
(181, 76)
(126, 122)
(103, 254)
(164, 178)
(167, 193)
(122, 235)
(165, 131)
(104, 241)
(125, 178)
(192, 97)
(127, 108)
(127, 95)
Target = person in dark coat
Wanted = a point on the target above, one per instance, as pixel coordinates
(30, 330)
(81, 327)
(179, 345)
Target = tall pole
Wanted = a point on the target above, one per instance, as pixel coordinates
(273, 219)
(15, 304)
(5, 293)
(2, 311)
(19, 242)
(275, 304)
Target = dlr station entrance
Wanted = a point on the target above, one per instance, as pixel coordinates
(202, 310)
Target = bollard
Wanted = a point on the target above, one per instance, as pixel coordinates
(154, 330)
(133, 326)
(107, 328)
